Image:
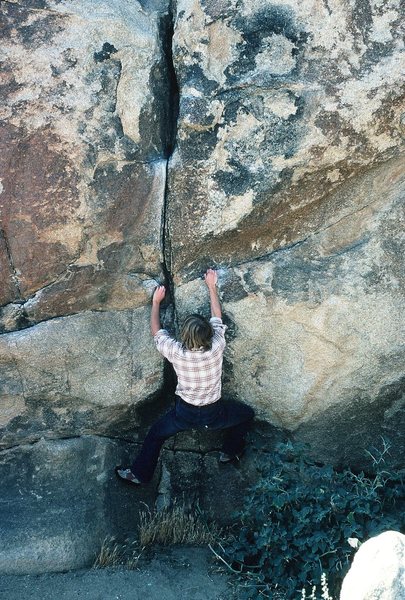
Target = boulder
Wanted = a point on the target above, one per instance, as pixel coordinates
(60, 500)
(288, 176)
(82, 156)
(75, 375)
(147, 141)
(282, 106)
(378, 570)
(83, 175)
(315, 330)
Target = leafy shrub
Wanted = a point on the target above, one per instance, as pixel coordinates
(298, 517)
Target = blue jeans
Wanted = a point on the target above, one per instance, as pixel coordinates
(234, 417)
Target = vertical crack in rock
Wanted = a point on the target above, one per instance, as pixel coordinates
(168, 134)
(14, 275)
(169, 128)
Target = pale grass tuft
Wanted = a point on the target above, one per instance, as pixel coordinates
(115, 554)
(325, 591)
(175, 525)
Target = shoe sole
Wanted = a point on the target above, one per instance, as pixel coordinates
(124, 479)
(233, 459)
(226, 461)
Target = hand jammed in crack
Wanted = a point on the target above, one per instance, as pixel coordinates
(159, 294)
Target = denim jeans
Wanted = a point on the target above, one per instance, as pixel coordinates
(234, 417)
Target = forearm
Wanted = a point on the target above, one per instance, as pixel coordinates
(215, 303)
(155, 319)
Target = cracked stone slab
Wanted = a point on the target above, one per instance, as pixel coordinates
(281, 105)
(218, 490)
(84, 373)
(60, 500)
(315, 330)
(82, 168)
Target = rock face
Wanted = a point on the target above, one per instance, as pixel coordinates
(281, 106)
(378, 570)
(146, 141)
(83, 170)
(318, 330)
(288, 175)
(60, 501)
(84, 140)
(76, 375)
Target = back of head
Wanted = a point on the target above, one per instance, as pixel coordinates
(196, 333)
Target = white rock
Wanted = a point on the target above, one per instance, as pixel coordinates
(378, 570)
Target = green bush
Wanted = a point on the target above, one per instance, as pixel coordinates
(299, 516)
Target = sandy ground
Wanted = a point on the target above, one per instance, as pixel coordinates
(177, 574)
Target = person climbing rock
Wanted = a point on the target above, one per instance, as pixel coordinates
(197, 361)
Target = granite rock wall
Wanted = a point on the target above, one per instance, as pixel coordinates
(288, 174)
(86, 98)
(144, 142)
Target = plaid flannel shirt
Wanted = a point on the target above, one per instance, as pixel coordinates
(199, 372)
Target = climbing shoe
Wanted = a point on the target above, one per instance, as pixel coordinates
(227, 458)
(126, 475)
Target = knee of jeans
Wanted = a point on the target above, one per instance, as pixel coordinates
(250, 413)
(157, 432)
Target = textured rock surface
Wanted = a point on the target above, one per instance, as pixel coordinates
(316, 330)
(289, 175)
(378, 570)
(84, 109)
(192, 475)
(280, 105)
(60, 499)
(284, 169)
(82, 166)
(79, 374)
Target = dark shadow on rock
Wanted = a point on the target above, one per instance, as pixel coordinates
(345, 436)
(61, 499)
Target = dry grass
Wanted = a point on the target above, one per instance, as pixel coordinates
(115, 554)
(175, 525)
(166, 527)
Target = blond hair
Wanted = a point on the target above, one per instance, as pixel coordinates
(196, 333)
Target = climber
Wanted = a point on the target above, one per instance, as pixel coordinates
(197, 361)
